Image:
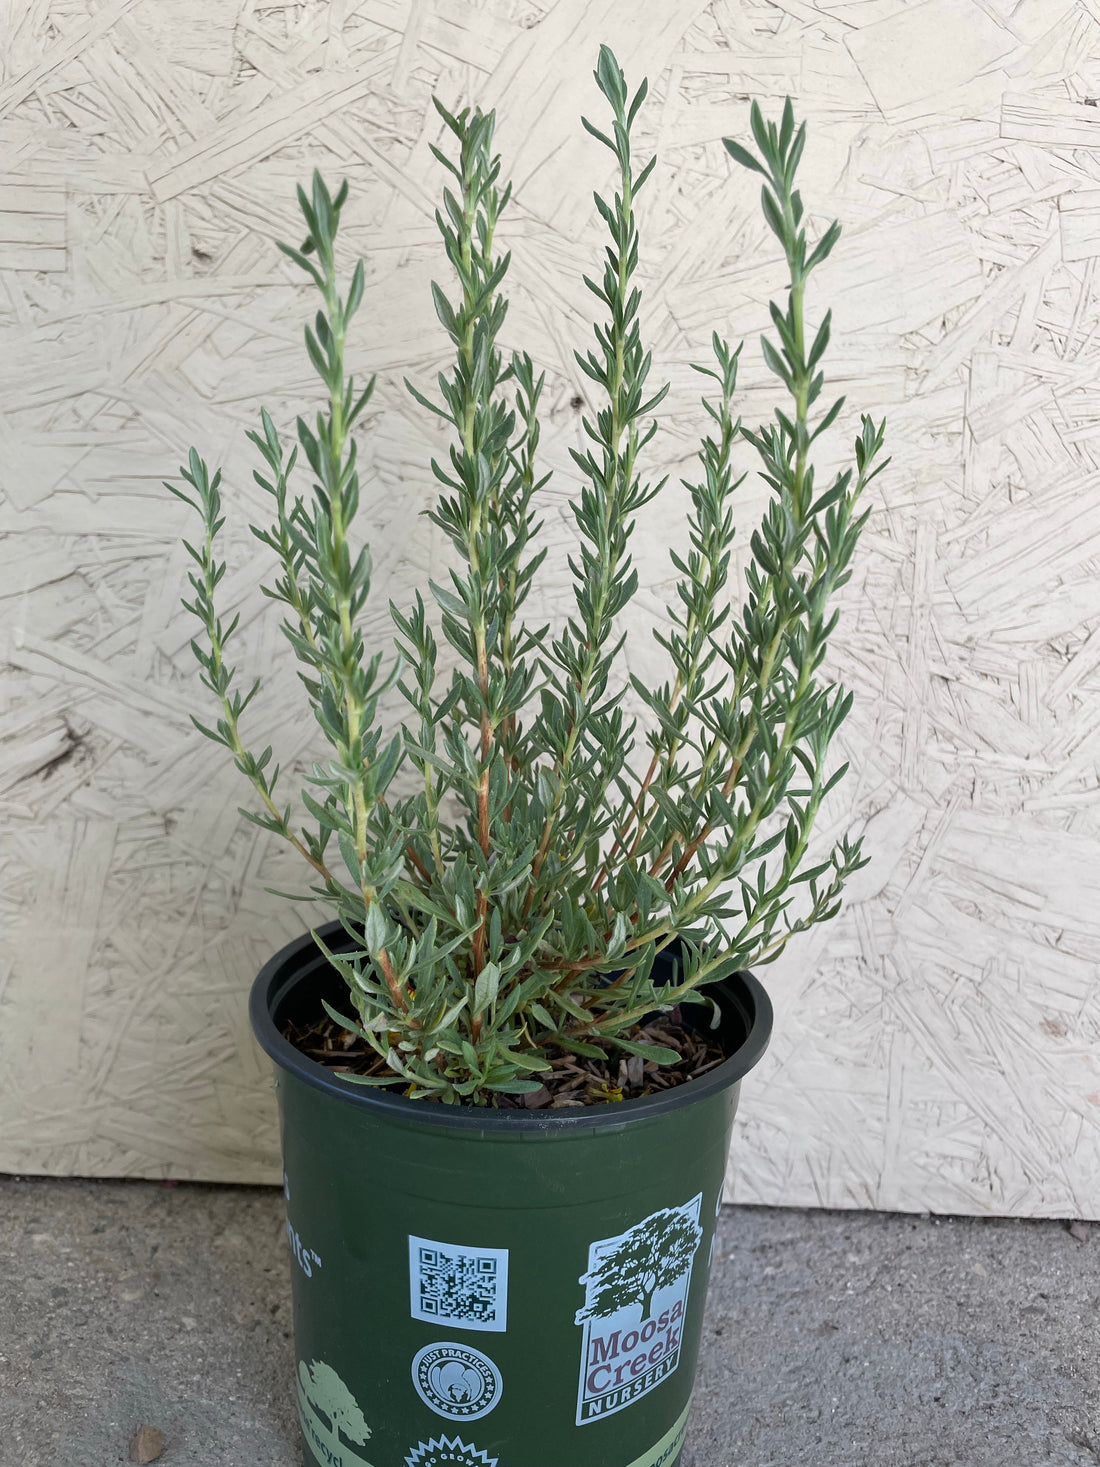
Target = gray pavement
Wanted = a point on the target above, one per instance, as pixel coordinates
(832, 1339)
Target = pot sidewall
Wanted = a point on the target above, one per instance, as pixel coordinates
(523, 1296)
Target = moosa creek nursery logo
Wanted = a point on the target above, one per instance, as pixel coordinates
(636, 1292)
(331, 1419)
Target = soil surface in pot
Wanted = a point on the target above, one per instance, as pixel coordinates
(574, 1080)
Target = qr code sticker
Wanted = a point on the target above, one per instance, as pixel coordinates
(455, 1285)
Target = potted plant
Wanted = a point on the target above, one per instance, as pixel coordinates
(507, 1071)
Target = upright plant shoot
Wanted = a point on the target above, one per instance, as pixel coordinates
(486, 942)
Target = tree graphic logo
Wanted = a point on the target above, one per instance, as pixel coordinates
(331, 1418)
(636, 1288)
(650, 1256)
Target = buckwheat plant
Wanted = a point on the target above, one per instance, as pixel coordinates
(507, 897)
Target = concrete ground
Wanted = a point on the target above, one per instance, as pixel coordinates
(832, 1339)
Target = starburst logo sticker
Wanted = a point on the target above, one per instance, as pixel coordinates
(448, 1452)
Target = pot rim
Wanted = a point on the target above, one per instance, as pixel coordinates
(741, 993)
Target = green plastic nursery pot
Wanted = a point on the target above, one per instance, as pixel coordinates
(482, 1288)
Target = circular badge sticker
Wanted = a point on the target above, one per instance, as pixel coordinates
(448, 1452)
(456, 1381)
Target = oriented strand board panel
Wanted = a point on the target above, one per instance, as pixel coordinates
(938, 1046)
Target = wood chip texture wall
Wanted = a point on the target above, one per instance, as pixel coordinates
(936, 1047)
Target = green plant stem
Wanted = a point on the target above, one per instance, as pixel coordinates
(615, 479)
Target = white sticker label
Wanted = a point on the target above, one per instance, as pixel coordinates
(455, 1285)
(636, 1290)
(456, 1380)
(448, 1452)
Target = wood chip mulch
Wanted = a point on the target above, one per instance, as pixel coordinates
(575, 1080)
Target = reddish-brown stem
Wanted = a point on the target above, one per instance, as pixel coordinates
(536, 867)
(399, 1001)
(635, 814)
(686, 859)
(689, 853)
(650, 773)
(482, 899)
(483, 812)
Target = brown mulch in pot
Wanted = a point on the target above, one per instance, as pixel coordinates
(575, 1080)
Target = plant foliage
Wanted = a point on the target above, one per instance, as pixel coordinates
(513, 903)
